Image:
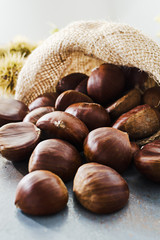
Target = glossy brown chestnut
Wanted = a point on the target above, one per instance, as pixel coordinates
(135, 78)
(140, 122)
(11, 110)
(125, 103)
(64, 126)
(147, 161)
(41, 193)
(70, 82)
(69, 97)
(45, 100)
(100, 189)
(37, 113)
(82, 86)
(17, 140)
(135, 148)
(152, 97)
(92, 114)
(57, 156)
(106, 83)
(110, 147)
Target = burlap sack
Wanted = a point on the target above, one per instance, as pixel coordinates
(80, 47)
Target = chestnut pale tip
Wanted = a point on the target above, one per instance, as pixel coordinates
(59, 124)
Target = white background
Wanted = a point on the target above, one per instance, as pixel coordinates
(33, 18)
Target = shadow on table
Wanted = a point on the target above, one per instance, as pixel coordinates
(22, 167)
(99, 218)
(79, 211)
(49, 222)
(141, 187)
(55, 221)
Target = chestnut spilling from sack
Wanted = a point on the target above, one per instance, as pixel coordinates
(107, 116)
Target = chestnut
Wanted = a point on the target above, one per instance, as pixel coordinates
(135, 78)
(57, 156)
(17, 140)
(11, 110)
(69, 97)
(70, 82)
(134, 148)
(37, 113)
(44, 100)
(100, 189)
(110, 147)
(140, 122)
(147, 161)
(92, 114)
(125, 103)
(106, 83)
(152, 97)
(41, 193)
(82, 86)
(64, 126)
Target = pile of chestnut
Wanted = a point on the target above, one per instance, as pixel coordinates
(86, 131)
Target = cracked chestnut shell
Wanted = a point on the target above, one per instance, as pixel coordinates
(37, 113)
(152, 97)
(140, 122)
(44, 100)
(17, 140)
(70, 82)
(41, 193)
(110, 147)
(92, 114)
(64, 126)
(100, 189)
(147, 161)
(69, 97)
(57, 156)
(106, 83)
(125, 103)
(11, 110)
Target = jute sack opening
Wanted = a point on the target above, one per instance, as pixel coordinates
(82, 46)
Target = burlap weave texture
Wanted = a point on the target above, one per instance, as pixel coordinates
(82, 46)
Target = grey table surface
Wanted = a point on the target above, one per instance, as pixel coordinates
(140, 219)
